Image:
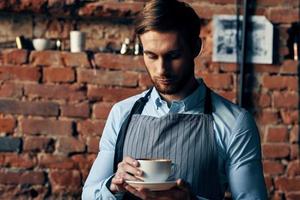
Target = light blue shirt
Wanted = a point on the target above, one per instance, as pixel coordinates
(236, 134)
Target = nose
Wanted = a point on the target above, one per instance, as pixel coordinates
(163, 66)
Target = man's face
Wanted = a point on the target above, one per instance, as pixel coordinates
(169, 61)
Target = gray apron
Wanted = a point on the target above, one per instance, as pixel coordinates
(187, 139)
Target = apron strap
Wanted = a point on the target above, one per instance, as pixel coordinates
(208, 101)
(136, 109)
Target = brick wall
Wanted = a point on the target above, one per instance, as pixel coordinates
(53, 104)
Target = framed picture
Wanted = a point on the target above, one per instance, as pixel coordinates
(259, 39)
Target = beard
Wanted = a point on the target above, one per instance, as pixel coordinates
(170, 84)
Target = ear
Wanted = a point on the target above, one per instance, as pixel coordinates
(197, 47)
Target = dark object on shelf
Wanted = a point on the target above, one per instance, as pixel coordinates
(24, 43)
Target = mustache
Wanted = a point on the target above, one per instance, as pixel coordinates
(165, 76)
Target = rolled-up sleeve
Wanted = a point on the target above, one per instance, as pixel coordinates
(244, 165)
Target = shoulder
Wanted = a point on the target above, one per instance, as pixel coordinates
(225, 111)
(235, 127)
(230, 118)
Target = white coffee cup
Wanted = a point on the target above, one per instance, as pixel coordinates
(41, 44)
(155, 170)
(77, 41)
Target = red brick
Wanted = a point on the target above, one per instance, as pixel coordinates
(277, 134)
(65, 92)
(293, 195)
(114, 78)
(15, 56)
(275, 2)
(293, 168)
(289, 67)
(294, 136)
(263, 100)
(286, 100)
(76, 59)
(213, 1)
(267, 117)
(275, 150)
(283, 15)
(24, 161)
(111, 94)
(46, 58)
(90, 127)
(218, 81)
(28, 177)
(93, 144)
(37, 144)
(261, 68)
(28, 108)
(273, 168)
(24, 73)
(279, 82)
(114, 61)
(46, 127)
(37, 6)
(80, 110)
(84, 163)
(7, 125)
(206, 10)
(68, 181)
(289, 117)
(11, 90)
(287, 184)
(295, 151)
(49, 161)
(101, 110)
(70, 145)
(62, 75)
(111, 9)
(145, 81)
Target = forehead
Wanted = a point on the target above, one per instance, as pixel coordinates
(161, 41)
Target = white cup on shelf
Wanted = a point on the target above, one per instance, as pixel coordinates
(77, 41)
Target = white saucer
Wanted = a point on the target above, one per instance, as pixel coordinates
(152, 186)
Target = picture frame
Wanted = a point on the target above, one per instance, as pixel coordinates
(259, 42)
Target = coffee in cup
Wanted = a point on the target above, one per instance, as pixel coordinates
(155, 170)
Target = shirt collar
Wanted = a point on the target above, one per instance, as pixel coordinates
(188, 103)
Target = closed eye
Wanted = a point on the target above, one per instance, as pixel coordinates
(150, 55)
(173, 55)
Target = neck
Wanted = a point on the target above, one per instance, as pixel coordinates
(188, 89)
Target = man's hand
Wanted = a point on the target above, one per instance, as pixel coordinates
(179, 192)
(127, 170)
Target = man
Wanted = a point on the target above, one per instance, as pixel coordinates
(213, 143)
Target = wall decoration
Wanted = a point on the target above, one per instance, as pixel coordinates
(260, 39)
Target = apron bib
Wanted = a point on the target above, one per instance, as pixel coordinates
(186, 139)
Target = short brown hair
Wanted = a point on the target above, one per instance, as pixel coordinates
(169, 15)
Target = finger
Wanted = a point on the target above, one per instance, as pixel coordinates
(131, 161)
(127, 176)
(117, 180)
(126, 167)
(116, 184)
(181, 184)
